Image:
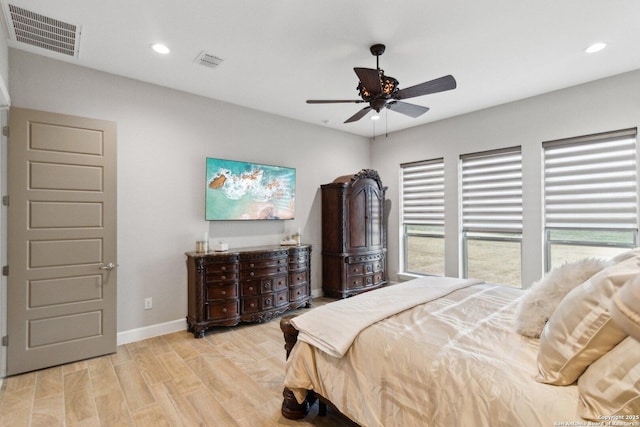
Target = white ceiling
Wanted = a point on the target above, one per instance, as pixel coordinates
(278, 53)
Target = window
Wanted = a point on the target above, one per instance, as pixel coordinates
(423, 216)
(590, 196)
(491, 200)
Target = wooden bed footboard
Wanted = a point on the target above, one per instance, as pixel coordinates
(291, 409)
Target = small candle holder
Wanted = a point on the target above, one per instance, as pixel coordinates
(202, 247)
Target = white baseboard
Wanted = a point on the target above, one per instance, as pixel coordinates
(133, 335)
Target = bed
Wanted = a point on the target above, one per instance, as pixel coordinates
(451, 354)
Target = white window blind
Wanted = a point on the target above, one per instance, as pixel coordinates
(590, 182)
(423, 192)
(492, 191)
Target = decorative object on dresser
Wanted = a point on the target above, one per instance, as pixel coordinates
(253, 284)
(353, 234)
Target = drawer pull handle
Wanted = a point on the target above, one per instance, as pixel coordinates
(250, 288)
(224, 310)
(252, 305)
(223, 268)
(251, 265)
(223, 277)
(252, 274)
(268, 301)
(223, 292)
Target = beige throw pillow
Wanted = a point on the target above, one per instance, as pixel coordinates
(581, 329)
(611, 385)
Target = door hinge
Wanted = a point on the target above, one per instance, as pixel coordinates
(5, 270)
(5, 130)
(5, 200)
(5, 340)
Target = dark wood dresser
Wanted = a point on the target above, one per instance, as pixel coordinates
(253, 284)
(353, 234)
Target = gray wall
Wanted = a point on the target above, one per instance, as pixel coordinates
(599, 106)
(164, 137)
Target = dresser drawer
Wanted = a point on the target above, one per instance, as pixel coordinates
(262, 263)
(221, 276)
(276, 299)
(249, 288)
(298, 293)
(215, 292)
(301, 261)
(378, 277)
(222, 310)
(354, 282)
(298, 278)
(275, 283)
(356, 269)
(264, 271)
(377, 266)
(218, 267)
(250, 305)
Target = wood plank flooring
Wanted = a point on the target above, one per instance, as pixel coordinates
(232, 377)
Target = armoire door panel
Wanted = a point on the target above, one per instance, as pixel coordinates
(357, 219)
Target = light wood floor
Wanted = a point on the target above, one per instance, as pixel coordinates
(232, 377)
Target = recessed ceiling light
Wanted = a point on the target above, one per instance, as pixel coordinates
(160, 48)
(375, 117)
(596, 47)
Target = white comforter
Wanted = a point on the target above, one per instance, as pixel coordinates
(453, 361)
(333, 327)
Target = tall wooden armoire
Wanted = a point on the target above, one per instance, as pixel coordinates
(353, 234)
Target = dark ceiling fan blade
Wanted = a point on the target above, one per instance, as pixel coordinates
(370, 79)
(432, 86)
(334, 101)
(357, 116)
(407, 109)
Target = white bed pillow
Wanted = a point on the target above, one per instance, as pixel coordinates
(611, 385)
(581, 329)
(541, 299)
(631, 253)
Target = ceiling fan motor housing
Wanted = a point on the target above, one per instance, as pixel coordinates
(388, 87)
(378, 104)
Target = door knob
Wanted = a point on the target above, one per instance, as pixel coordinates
(109, 266)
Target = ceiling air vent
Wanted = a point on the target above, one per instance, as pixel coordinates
(208, 60)
(42, 31)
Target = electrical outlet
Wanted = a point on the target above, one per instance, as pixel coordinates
(148, 303)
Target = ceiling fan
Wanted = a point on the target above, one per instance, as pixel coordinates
(382, 91)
